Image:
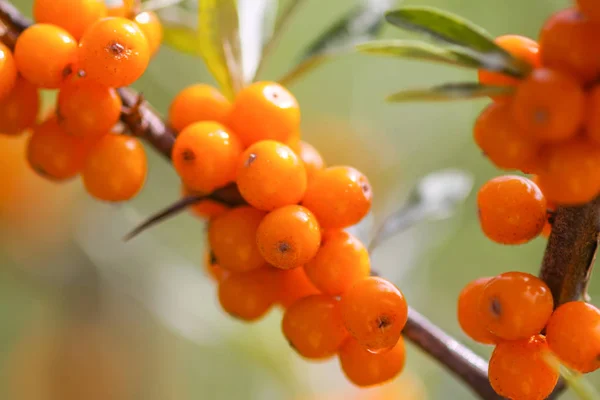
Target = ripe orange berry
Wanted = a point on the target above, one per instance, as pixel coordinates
(520, 47)
(374, 312)
(19, 109)
(73, 16)
(549, 106)
(512, 209)
(573, 334)
(502, 141)
(520, 369)
(262, 111)
(313, 326)
(86, 108)
(53, 153)
(468, 312)
(196, 103)
(566, 41)
(571, 172)
(592, 122)
(590, 8)
(114, 52)
(364, 368)
(293, 142)
(515, 305)
(8, 71)
(45, 55)
(339, 196)
(293, 286)
(248, 295)
(205, 156)
(212, 267)
(120, 8)
(116, 168)
(289, 237)
(341, 261)
(150, 24)
(311, 157)
(205, 209)
(232, 238)
(270, 175)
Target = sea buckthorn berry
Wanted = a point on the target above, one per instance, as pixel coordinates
(339, 196)
(232, 238)
(116, 168)
(341, 261)
(45, 55)
(364, 368)
(566, 41)
(571, 173)
(248, 295)
(590, 8)
(114, 52)
(264, 110)
(150, 24)
(212, 267)
(549, 106)
(573, 334)
(86, 108)
(8, 71)
(53, 153)
(73, 16)
(205, 156)
(512, 209)
(294, 285)
(205, 209)
(521, 369)
(374, 312)
(313, 326)
(592, 122)
(120, 8)
(289, 237)
(270, 175)
(515, 305)
(520, 47)
(19, 109)
(196, 103)
(311, 157)
(468, 312)
(502, 141)
(294, 142)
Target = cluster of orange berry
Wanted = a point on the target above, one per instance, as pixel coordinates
(287, 246)
(550, 126)
(510, 311)
(83, 51)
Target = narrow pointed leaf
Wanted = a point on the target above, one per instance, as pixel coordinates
(181, 38)
(450, 92)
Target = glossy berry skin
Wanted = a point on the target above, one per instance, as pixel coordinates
(264, 111)
(114, 52)
(248, 295)
(341, 261)
(205, 156)
(294, 285)
(45, 55)
(520, 369)
(310, 156)
(150, 24)
(498, 136)
(313, 326)
(19, 109)
(549, 106)
(468, 312)
(566, 41)
(115, 169)
(270, 175)
(590, 9)
(339, 196)
(289, 237)
(573, 334)
(374, 312)
(86, 108)
(232, 238)
(196, 103)
(120, 8)
(73, 16)
(213, 269)
(8, 71)
(365, 369)
(515, 305)
(512, 209)
(205, 209)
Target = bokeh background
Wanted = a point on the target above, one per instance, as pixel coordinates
(93, 317)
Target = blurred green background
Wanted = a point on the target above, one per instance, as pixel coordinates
(140, 320)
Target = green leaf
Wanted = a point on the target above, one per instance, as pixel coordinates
(219, 43)
(181, 38)
(454, 30)
(450, 92)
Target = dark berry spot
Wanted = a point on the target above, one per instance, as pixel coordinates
(116, 48)
(284, 247)
(365, 188)
(213, 258)
(291, 344)
(540, 116)
(188, 155)
(67, 71)
(81, 73)
(496, 307)
(251, 158)
(383, 322)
